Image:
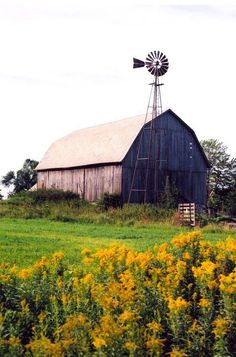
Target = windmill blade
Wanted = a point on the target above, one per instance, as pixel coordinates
(157, 63)
(138, 63)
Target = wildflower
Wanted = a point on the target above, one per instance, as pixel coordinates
(41, 316)
(85, 251)
(187, 256)
(64, 299)
(205, 271)
(176, 352)
(87, 278)
(14, 341)
(228, 283)
(24, 305)
(155, 326)
(189, 239)
(221, 327)
(42, 264)
(25, 273)
(204, 303)
(177, 305)
(99, 342)
(131, 346)
(57, 256)
(13, 269)
(155, 343)
(127, 316)
(44, 347)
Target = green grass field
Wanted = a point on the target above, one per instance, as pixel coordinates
(23, 241)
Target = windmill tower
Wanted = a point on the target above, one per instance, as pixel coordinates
(157, 64)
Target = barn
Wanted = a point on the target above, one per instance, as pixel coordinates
(116, 157)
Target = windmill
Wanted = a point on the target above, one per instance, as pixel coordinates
(157, 64)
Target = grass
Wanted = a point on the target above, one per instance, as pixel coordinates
(23, 241)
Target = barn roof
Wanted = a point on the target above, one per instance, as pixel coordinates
(106, 143)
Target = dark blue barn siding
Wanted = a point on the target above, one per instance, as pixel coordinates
(175, 152)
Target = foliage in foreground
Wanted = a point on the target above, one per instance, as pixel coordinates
(178, 301)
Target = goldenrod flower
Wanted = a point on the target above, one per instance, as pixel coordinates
(58, 256)
(99, 342)
(25, 273)
(221, 327)
(178, 304)
(176, 352)
(204, 303)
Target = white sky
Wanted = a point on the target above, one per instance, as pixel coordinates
(67, 64)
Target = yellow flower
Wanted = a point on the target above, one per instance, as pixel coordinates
(155, 343)
(24, 305)
(127, 316)
(221, 327)
(204, 303)
(44, 347)
(87, 278)
(189, 239)
(13, 269)
(176, 352)
(178, 304)
(25, 273)
(186, 256)
(155, 326)
(58, 256)
(131, 346)
(14, 341)
(85, 251)
(42, 264)
(228, 283)
(99, 342)
(205, 271)
(65, 299)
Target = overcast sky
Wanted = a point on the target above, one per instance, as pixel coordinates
(67, 64)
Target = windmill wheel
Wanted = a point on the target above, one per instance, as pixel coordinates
(157, 63)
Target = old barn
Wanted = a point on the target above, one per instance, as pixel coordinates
(103, 159)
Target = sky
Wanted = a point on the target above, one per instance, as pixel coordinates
(67, 64)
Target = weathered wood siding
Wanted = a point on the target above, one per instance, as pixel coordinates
(175, 152)
(89, 182)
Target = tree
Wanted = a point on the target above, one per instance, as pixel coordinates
(169, 197)
(221, 174)
(23, 179)
(1, 196)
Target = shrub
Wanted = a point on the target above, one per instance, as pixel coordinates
(108, 200)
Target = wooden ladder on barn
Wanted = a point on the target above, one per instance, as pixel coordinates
(156, 109)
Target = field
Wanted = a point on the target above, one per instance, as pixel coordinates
(23, 241)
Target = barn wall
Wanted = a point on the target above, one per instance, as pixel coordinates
(89, 182)
(174, 152)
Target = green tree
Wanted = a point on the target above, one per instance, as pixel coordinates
(169, 197)
(221, 174)
(23, 179)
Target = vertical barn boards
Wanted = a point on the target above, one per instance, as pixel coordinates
(90, 182)
(175, 152)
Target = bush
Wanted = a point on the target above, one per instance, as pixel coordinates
(108, 200)
(41, 196)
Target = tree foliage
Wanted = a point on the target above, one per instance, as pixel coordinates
(23, 179)
(221, 179)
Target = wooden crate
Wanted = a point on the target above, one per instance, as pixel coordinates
(187, 213)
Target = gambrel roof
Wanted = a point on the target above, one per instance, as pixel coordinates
(102, 144)
(106, 143)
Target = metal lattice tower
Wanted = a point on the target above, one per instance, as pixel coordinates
(157, 64)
